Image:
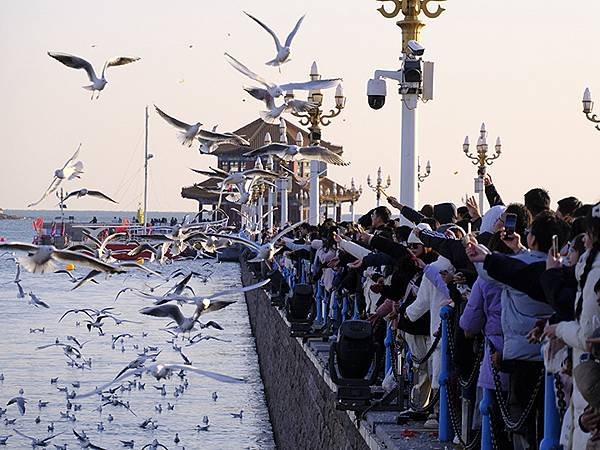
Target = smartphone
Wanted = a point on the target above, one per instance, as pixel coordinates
(555, 249)
(510, 223)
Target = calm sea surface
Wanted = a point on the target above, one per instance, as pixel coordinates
(25, 367)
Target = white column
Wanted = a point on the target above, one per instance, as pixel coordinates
(283, 206)
(270, 206)
(314, 218)
(351, 211)
(261, 204)
(409, 152)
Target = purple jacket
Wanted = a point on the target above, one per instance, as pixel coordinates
(483, 314)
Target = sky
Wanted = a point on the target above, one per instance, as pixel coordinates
(519, 66)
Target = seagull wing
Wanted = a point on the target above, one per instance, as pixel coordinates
(72, 158)
(75, 62)
(288, 41)
(172, 120)
(94, 263)
(89, 277)
(19, 246)
(308, 85)
(171, 311)
(23, 435)
(322, 154)
(135, 265)
(241, 240)
(69, 195)
(285, 231)
(141, 248)
(53, 186)
(239, 290)
(109, 238)
(261, 94)
(101, 195)
(119, 61)
(301, 105)
(268, 30)
(99, 389)
(261, 173)
(275, 148)
(207, 373)
(244, 70)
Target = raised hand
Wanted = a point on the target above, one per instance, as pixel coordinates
(394, 202)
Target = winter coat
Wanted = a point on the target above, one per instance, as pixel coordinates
(483, 312)
(575, 333)
(520, 313)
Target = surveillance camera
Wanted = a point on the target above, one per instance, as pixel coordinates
(415, 48)
(376, 92)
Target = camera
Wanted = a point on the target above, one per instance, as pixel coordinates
(376, 92)
(415, 48)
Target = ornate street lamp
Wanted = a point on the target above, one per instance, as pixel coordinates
(315, 119)
(422, 176)
(379, 188)
(482, 160)
(588, 107)
(354, 196)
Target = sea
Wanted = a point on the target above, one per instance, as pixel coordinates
(24, 366)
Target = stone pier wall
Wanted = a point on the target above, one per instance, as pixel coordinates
(301, 403)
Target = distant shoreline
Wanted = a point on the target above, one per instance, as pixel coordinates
(4, 216)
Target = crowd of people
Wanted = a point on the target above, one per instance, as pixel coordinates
(523, 285)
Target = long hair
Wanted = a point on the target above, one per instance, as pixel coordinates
(593, 230)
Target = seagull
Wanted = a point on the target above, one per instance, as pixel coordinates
(98, 84)
(42, 258)
(283, 51)
(69, 171)
(161, 371)
(17, 281)
(154, 445)
(264, 252)
(202, 428)
(128, 444)
(211, 140)
(35, 442)
(276, 90)
(84, 441)
(188, 132)
(82, 192)
(238, 415)
(215, 396)
(158, 251)
(273, 112)
(20, 401)
(289, 152)
(72, 278)
(4, 438)
(35, 301)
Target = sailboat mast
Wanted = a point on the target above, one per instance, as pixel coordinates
(146, 170)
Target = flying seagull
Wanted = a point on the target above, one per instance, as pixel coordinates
(211, 140)
(289, 152)
(69, 171)
(82, 192)
(276, 90)
(98, 84)
(41, 258)
(35, 442)
(188, 132)
(161, 371)
(283, 51)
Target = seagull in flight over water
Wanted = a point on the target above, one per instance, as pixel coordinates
(98, 84)
(283, 51)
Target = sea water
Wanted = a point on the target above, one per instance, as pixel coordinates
(23, 366)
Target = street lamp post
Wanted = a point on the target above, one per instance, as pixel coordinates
(588, 107)
(415, 80)
(315, 119)
(270, 196)
(379, 188)
(421, 176)
(482, 160)
(354, 196)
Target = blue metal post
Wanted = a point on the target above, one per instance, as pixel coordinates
(388, 347)
(446, 434)
(485, 406)
(325, 306)
(334, 309)
(344, 307)
(355, 313)
(552, 420)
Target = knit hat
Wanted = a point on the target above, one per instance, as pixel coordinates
(413, 239)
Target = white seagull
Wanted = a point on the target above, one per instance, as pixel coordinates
(161, 371)
(83, 192)
(211, 140)
(41, 258)
(274, 112)
(283, 51)
(69, 171)
(289, 152)
(276, 90)
(76, 62)
(188, 132)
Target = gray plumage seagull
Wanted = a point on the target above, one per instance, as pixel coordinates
(71, 170)
(289, 152)
(274, 112)
(283, 51)
(41, 258)
(188, 132)
(83, 192)
(161, 371)
(211, 140)
(276, 90)
(35, 442)
(98, 84)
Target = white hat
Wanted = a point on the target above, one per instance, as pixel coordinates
(413, 239)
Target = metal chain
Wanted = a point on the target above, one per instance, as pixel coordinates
(436, 341)
(456, 425)
(495, 445)
(512, 425)
(560, 395)
(476, 364)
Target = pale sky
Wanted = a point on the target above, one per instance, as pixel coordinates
(520, 66)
